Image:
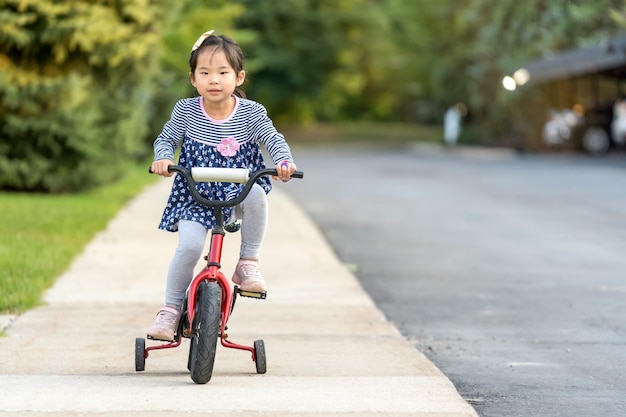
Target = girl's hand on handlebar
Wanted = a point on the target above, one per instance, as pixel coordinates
(160, 167)
(284, 170)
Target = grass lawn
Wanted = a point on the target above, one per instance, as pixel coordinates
(42, 234)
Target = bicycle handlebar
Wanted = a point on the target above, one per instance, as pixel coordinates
(223, 175)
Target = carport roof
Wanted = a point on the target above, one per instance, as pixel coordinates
(607, 58)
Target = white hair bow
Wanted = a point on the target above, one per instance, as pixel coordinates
(201, 39)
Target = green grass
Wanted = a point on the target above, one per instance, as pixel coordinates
(42, 234)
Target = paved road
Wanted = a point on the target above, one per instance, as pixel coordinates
(508, 272)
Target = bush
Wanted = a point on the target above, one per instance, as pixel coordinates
(75, 79)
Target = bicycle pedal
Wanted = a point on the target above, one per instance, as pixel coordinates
(251, 294)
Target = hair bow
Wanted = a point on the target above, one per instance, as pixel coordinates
(201, 39)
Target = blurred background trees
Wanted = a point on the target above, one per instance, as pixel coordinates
(85, 85)
(75, 81)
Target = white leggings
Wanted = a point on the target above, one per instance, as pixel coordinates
(253, 212)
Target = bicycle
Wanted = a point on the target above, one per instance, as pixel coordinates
(210, 300)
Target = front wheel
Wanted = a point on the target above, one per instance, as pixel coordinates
(206, 329)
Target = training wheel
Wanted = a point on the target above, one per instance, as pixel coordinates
(261, 361)
(140, 354)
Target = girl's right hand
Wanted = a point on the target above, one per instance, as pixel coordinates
(160, 167)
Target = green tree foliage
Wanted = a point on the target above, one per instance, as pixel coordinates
(75, 79)
(320, 59)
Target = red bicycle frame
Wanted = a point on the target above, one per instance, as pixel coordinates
(212, 271)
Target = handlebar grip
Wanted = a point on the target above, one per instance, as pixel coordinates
(151, 172)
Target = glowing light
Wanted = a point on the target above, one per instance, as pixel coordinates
(509, 83)
(521, 76)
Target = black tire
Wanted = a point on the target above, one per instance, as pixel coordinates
(261, 361)
(140, 354)
(206, 329)
(596, 140)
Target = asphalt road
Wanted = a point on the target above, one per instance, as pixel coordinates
(507, 271)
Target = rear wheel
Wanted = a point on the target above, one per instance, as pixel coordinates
(206, 328)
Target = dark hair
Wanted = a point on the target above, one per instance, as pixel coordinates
(234, 55)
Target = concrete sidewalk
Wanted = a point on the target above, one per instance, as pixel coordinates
(330, 351)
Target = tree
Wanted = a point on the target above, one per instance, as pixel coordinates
(75, 81)
(319, 59)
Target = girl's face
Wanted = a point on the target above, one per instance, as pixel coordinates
(214, 77)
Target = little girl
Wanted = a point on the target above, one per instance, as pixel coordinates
(220, 128)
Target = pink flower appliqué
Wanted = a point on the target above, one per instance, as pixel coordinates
(228, 147)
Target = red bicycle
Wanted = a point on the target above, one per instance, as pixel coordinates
(210, 299)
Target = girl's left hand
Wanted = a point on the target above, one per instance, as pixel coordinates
(285, 169)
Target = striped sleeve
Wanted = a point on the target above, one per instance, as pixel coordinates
(264, 130)
(173, 132)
